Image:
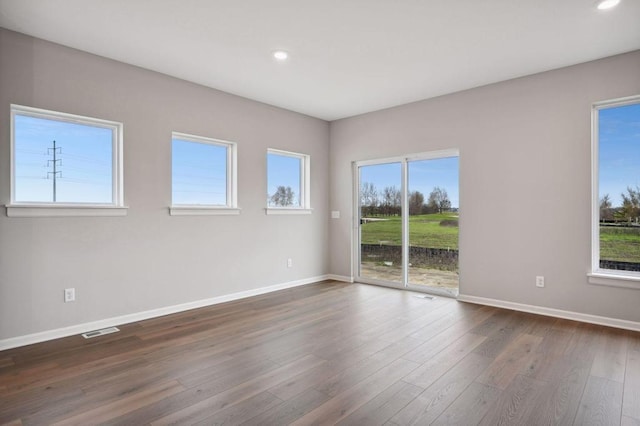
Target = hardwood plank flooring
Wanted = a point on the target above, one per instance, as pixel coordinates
(601, 403)
(330, 353)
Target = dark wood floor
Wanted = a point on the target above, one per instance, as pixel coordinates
(331, 353)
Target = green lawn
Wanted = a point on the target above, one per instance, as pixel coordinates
(620, 244)
(616, 243)
(424, 231)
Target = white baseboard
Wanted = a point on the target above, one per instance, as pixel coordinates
(342, 278)
(29, 339)
(557, 313)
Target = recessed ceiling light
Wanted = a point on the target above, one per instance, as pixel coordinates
(280, 55)
(607, 4)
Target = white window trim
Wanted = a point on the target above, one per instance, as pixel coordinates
(187, 210)
(305, 185)
(231, 207)
(597, 275)
(287, 210)
(614, 278)
(38, 209)
(68, 210)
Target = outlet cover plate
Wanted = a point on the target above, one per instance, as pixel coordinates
(69, 295)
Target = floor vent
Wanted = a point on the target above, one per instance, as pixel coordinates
(96, 333)
(424, 296)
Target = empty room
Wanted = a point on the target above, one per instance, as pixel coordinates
(329, 212)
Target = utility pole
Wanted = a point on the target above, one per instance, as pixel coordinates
(55, 173)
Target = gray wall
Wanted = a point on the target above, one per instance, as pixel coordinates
(525, 151)
(524, 180)
(148, 259)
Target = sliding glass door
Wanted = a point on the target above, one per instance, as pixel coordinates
(381, 223)
(408, 217)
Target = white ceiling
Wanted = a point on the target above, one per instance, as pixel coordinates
(347, 57)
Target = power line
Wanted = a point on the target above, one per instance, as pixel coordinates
(54, 162)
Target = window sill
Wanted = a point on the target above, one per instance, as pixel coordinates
(18, 210)
(203, 211)
(614, 279)
(270, 210)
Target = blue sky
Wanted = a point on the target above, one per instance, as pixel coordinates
(424, 175)
(199, 170)
(199, 173)
(85, 153)
(619, 150)
(283, 170)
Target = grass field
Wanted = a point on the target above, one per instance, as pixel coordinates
(620, 244)
(616, 243)
(424, 231)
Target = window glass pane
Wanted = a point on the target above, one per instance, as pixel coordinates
(284, 180)
(62, 162)
(433, 223)
(199, 173)
(619, 187)
(381, 222)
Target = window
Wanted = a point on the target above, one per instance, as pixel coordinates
(63, 164)
(287, 182)
(616, 192)
(203, 176)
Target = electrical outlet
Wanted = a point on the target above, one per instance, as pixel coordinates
(69, 295)
(289, 263)
(539, 281)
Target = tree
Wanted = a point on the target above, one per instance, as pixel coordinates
(368, 198)
(284, 196)
(439, 200)
(606, 212)
(397, 197)
(416, 202)
(630, 209)
(391, 200)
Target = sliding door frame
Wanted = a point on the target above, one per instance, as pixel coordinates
(404, 205)
(356, 220)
